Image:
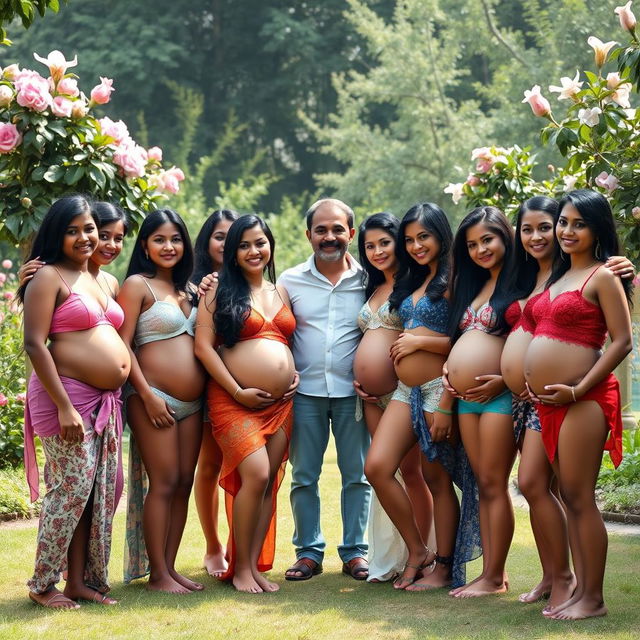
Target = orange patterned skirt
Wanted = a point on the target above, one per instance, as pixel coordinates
(239, 432)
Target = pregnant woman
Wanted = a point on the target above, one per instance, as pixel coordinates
(579, 397)
(73, 405)
(375, 381)
(250, 407)
(482, 254)
(163, 409)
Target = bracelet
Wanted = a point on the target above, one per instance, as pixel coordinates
(238, 390)
(445, 411)
(573, 393)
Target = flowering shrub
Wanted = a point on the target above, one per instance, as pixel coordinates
(12, 390)
(599, 136)
(52, 143)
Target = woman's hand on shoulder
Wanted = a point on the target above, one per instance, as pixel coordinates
(71, 425)
(208, 283)
(28, 270)
(620, 266)
(253, 398)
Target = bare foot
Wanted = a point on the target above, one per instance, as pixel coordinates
(245, 582)
(457, 590)
(266, 585)
(439, 578)
(167, 585)
(580, 610)
(483, 587)
(541, 591)
(82, 592)
(561, 594)
(215, 564)
(185, 582)
(53, 599)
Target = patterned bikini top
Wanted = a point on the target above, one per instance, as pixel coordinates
(484, 319)
(381, 318)
(432, 314)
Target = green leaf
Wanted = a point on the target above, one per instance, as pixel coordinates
(73, 174)
(98, 176)
(54, 173)
(38, 173)
(57, 127)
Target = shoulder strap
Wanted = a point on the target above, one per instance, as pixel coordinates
(149, 287)
(589, 278)
(61, 278)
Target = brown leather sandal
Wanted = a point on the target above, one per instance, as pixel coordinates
(306, 566)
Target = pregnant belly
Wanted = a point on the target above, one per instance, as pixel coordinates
(553, 362)
(512, 360)
(475, 354)
(419, 367)
(96, 356)
(372, 366)
(262, 364)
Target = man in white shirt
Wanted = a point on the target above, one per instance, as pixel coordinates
(326, 294)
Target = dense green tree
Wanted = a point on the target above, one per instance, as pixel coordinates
(25, 11)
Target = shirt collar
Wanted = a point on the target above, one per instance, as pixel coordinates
(354, 267)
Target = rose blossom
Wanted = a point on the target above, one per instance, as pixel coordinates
(8, 295)
(79, 109)
(6, 95)
(33, 90)
(10, 72)
(131, 158)
(7, 264)
(622, 90)
(57, 64)
(68, 87)
(607, 181)
(626, 17)
(170, 178)
(10, 138)
(116, 130)
(61, 107)
(635, 212)
(21, 397)
(473, 180)
(455, 189)
(601, 49)
(569, 87)
(155, 154)
(3, 400)
(101, 93)
(590, 117)
(539, 104)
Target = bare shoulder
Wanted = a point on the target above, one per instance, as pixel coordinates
(134, 286)
(45, 279)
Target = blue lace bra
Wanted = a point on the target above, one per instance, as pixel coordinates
(432, 314)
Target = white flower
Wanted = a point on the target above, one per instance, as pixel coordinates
(569, 87)
(569, 182)
(455, 189)
(590, 117)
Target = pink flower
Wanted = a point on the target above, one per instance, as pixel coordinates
(3, 400)
(101, 93)
(131, 158)
(21, 397)
(626, 17)
(6, 95)
(10, 72)
(600, 49)
(539, 104)
(8, 295)
(622, 90)
(33, 90)
(607, 181)
(68, 87)
(57, 64)
(155, 154)
(569, 87)
(61, 107)
(116, 130)
(473, 180)
(590, 117)
(635, 212)
(79, 109)
(10, 138)
(7, 264)
(170, 180)
(3, 278)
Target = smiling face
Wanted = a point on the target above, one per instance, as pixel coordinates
(485, 246)
(421, 244)
(110, 242)
(165, 246)
(537, 234)
(330, 234)
(379, 247)
(80, 238)
(254, 251)
(216, 242)
(572, 231)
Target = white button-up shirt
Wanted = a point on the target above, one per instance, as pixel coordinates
(327, 333)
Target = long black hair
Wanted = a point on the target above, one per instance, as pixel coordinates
(372, 278)
(468, 278)
(49, 240)
(594, 209)
(525, 269)
(140, 263)
(203, 263)
(108, 213)
(412, 275)
(233, 298)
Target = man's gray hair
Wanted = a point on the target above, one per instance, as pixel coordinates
(336, 203)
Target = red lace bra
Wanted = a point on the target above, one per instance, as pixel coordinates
(571, 318)
(280, 328)
(521, 317)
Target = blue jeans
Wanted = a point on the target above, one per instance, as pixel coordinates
(312, 418)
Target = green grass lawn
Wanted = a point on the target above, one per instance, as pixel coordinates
(328, 606)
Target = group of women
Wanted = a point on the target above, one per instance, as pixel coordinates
(473, 346)
(515, 324)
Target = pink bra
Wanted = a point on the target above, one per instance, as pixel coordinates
(80, 312)
(484, 319)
